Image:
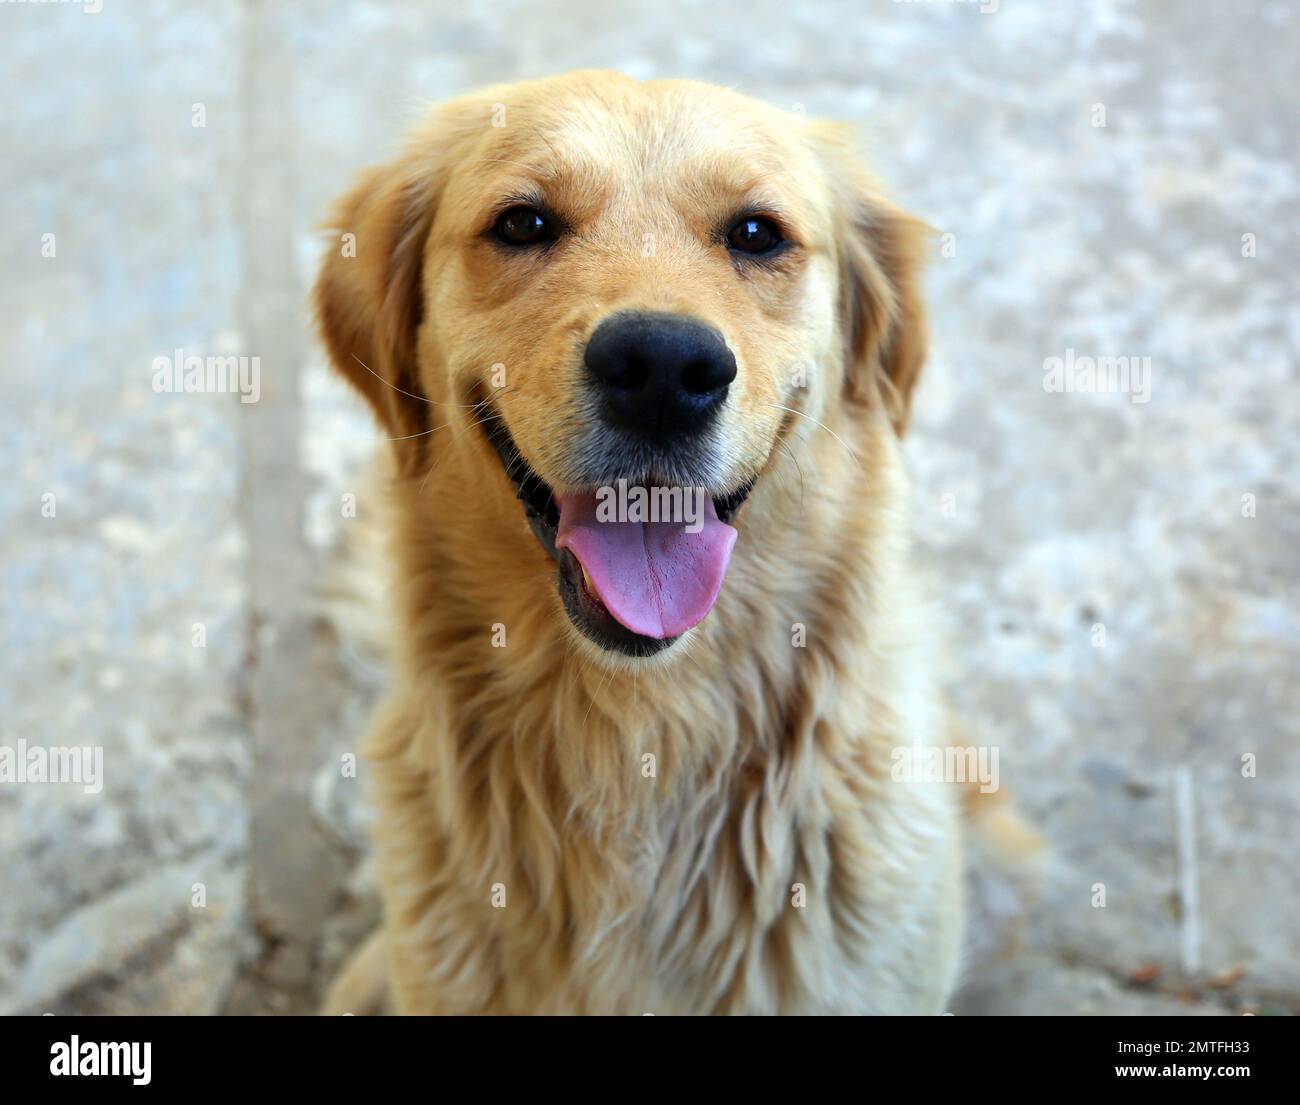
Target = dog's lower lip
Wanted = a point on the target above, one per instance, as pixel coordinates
(727, 505)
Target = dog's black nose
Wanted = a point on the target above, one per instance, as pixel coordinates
(662, 376)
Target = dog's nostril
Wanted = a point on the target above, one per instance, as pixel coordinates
(703, 377)
(630, 375)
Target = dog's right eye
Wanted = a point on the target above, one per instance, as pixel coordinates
(523, 226)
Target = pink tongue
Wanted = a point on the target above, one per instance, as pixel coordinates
(654, 577)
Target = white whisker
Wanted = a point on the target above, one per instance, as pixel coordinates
(411, 394)
(847, 448)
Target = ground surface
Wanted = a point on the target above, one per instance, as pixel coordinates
(164, 614)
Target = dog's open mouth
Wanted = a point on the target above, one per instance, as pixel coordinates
(629, 585)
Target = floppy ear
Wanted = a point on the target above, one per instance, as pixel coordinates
(369, 297)
(881, 253)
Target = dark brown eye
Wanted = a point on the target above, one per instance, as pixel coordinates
(523, 226)
(754, 234)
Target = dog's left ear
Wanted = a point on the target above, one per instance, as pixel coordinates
(881, 253)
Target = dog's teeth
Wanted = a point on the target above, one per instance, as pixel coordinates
(586, 579)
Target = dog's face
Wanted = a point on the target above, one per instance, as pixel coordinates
(633, 289)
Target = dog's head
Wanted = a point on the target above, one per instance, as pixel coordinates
(620, 295)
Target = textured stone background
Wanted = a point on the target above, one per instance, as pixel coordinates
(1039, 516)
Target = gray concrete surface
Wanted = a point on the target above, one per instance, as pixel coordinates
(222, 865)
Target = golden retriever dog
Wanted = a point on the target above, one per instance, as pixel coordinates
(644, 351)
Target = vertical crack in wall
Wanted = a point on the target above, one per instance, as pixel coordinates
(290, 690)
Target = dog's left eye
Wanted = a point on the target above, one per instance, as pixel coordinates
(754, 234)
(523, 226)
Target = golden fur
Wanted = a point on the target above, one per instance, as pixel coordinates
(529, 860)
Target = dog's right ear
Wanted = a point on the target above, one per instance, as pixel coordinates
(369, 294)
